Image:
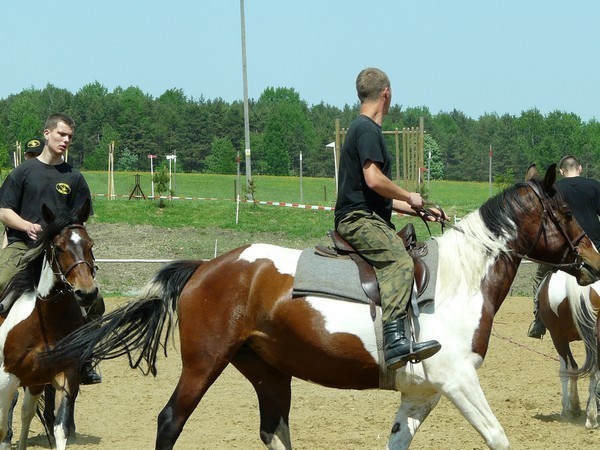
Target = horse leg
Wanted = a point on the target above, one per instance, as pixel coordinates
(414, 409)
(9, 386)
(591, 421)
(63, 410)
(28, 409)
(6, 442)
(50, 406)
(466, 394)
(193, 383)
(48, 413)
(568, 380)
(274, 392)
(66, 388)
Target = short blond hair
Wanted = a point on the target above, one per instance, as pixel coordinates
(568, 163)
(369, 84)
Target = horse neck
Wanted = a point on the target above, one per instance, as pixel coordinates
(496, 284)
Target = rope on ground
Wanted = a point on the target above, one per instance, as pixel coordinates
(518, 344)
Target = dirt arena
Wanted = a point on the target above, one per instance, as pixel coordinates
(519, 378)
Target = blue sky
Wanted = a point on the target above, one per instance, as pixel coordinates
(474, 56)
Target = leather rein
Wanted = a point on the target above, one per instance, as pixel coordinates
(61, 274)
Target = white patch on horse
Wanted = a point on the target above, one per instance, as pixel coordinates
(47, 278)
(21, 309)
(347, 317)
(76, 238)
(284, 259)
(557, 290)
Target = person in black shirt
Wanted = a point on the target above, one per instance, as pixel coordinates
(583, 196)
(366, 198)
(46, 179)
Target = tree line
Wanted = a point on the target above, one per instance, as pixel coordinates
(207, 135)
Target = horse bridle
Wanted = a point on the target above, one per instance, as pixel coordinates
(62, 274)
(550, 212)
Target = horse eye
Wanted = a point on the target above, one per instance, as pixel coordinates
(568, 215)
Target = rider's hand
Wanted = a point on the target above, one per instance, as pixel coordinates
(33, 230)
(415, 200)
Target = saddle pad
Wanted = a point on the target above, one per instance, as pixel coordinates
(338, 277)
(327, 277)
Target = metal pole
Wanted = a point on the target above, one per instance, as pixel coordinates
(300, 177)
(246, 119)
(170, 178)
(428, 170)
(152, 176)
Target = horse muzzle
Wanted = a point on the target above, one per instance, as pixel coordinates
(86, 298)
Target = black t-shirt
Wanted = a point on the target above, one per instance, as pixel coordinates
(364, 141)
(583, 195)
(34, 183)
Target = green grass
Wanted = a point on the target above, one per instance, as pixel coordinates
(457, 198)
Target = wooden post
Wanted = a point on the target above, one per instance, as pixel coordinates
(397, 155)
(337, 151)
(421, 147)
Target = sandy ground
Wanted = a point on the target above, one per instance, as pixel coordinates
(519, 378)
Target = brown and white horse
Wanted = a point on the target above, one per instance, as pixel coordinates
(239, 309)
(569, 312)
(47, 296)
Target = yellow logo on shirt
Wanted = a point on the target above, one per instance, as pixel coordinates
(63, 188)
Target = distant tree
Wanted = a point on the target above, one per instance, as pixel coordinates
(161, 184)
(436, 166)
(97, 159)
(287, 133)
(126, 161)
(222, 158)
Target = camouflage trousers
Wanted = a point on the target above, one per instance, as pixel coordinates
(540, 273)
(11, 262)
(379, 244)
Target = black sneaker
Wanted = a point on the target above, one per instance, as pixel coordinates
(88, 375)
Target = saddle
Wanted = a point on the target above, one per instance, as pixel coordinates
(368, 279)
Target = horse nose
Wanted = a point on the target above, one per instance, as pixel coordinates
(86, 298)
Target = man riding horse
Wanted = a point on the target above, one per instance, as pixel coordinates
(366, 198)
(49, 180)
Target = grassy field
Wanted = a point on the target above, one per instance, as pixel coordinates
(211, 202)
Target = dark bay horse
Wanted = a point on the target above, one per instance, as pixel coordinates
(47, 296)
(239, 309)
(569, 312)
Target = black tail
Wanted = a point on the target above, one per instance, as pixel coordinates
(135, 329)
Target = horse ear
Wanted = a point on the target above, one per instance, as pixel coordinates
(83, 213)
(47, 214)
(532, 172)
(550, 178)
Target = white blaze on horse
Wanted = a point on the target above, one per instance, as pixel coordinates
(47, 297)
(240, 309)
(570, 313)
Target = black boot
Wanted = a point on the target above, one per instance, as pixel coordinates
(536, 329)
(88, 375)
(398, 350)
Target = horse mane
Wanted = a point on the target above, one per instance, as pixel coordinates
(481, 237)
(28, 277)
